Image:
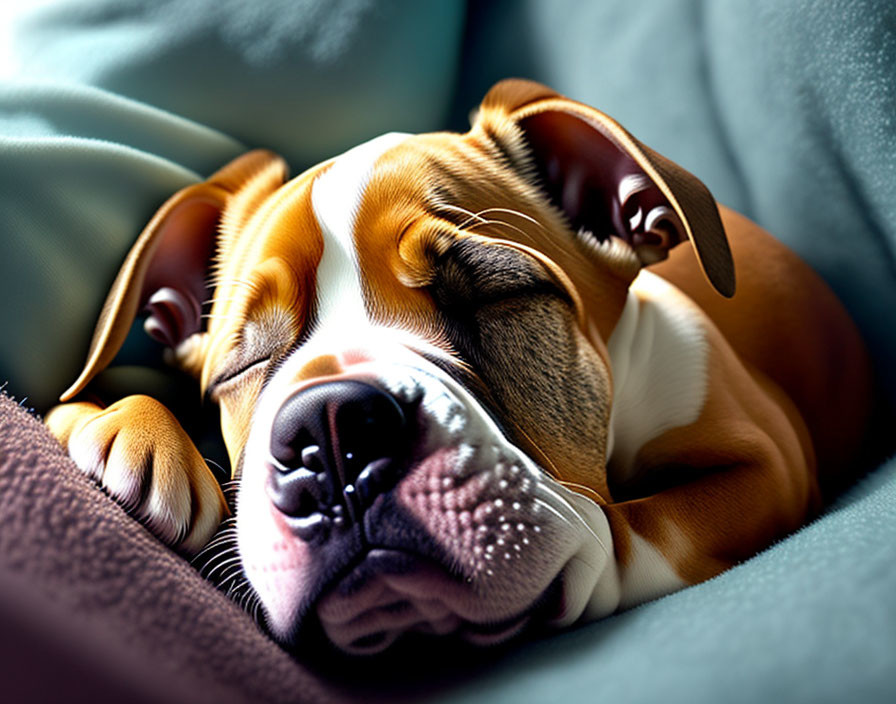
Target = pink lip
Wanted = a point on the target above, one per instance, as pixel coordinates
(423, 598)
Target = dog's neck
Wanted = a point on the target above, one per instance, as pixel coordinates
(658, 357)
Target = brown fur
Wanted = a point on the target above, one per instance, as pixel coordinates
(706, 495)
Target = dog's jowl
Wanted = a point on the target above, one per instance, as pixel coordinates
(471, 383)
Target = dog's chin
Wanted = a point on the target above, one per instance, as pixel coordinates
(391, 593)
(479, 559)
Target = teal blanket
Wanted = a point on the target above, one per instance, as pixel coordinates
(786, 109)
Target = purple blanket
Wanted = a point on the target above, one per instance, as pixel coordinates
(93, 608)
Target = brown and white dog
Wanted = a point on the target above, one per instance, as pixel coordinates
(454, 400)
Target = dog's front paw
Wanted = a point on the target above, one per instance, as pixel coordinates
(139, 453)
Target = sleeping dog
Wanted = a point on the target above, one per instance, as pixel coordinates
(470, 382)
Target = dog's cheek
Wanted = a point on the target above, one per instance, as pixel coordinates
(444, 505)
(552, 386)
(237, 407)
(275, 563)
(498, 526)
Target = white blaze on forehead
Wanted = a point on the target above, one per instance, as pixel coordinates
(336, 198)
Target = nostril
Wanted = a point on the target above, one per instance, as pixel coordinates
(368, 428)
(312, 459)
(289, 440)
(373, 479)
(300, 492)
(334, 448)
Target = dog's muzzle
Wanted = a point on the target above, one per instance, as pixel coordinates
(335, 447)
(389, 502)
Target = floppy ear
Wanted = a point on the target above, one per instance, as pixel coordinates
(166, 270)
(606, 182)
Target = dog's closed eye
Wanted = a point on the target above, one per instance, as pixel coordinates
(472, 273)
(230, 376)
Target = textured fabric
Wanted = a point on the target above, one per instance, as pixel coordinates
(101, 591)
(307, 78)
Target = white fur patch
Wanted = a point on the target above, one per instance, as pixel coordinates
(658, 354)
(648, 575)
(335, 198)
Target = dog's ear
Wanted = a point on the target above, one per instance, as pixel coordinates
(166, 271)
(604, 180)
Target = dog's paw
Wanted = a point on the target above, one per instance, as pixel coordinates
(139, 453)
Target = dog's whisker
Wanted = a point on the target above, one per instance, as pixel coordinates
(221, 544)
(216, 567)
(220, 552)
(235, 560)
(511, 211)
(237, 580)
(228, 523)
(245, 598)
(230, 491)
(258, 610)
(486, 223)
(223, 532)
(258, 614)
(232, 574)
(471, 216)
(221, 536)
(217, 465)
(237, 589)
(250, 598)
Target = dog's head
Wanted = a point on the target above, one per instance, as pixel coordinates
(408, 347)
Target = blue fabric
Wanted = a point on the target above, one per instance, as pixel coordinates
(785, 109)
(83, 169)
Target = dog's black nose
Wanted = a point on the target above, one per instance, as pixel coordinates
(334, 448)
